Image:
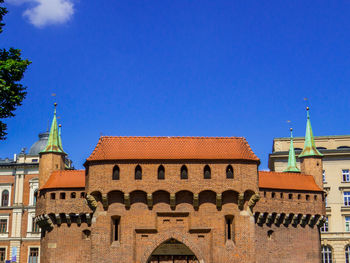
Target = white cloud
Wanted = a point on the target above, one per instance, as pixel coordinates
(47, 12)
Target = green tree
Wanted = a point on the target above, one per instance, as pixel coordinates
(12, 68)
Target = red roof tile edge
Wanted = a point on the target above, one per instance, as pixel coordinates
(288, 181)
(65, 179)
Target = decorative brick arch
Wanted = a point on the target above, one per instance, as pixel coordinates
(183, 238)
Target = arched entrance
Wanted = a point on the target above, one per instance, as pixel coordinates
(172, 251)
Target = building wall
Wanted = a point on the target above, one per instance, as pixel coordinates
(20, 176)
(334, 161)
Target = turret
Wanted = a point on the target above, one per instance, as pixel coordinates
(310, 157)
(52, 158)
(292, 164)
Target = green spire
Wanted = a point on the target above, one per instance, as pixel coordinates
(54, 142)
(309, 145)
(292, 164)
(59, 136)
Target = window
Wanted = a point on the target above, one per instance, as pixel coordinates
(326, 254)
(115, 228)
(346, 175)
(53, 196)
(35, 196)
(307, 197)
(347, 254)
(138, 172)
(324, 176)
(207, 172)
(86, 234)
(73, 195)
(273, 194)
(62, 195)
(3, 226)
(2, 254)
(161, 172)
(184, 172)
(325, 201)
(229, 227)
(347, 223)
(33, 255)
(116, 172)
(299, 196)
(347, 198)
(324, 228)
(229, 172)
(82, 195)
(35, 227)
(5, 198)
(290, 196)
(35, 160)
(281, 195)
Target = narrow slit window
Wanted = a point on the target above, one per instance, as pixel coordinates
(138, 173)
(116, 172)
(229, 172)
(229, 228)
(161, 172)
(116, 226)
(207, 172)
(184, 172)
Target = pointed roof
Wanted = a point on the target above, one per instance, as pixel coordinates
(292, 164)
(53, 144)
(309, 145)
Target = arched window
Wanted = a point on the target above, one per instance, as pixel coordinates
(229, 172)
(207, 172)
(116, 171)
(347, 254)
(5, 198)
(35, 197)
(73, 195)
(138, 172)
(161, 172)
(184, 172)
(326, 254)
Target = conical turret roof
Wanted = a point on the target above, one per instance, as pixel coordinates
(309, 145)
(292, 164)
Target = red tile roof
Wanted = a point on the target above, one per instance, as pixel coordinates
(66, 179)
(288, 181)
(172, 148)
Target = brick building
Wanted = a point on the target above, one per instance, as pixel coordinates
(178, 199)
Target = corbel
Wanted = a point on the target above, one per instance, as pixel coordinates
(92, 203)
(195, 201)
(321, 221)
(270, 218)
(88, 218)
(252, 201)
(279, 219)
(241, 201)
(150, 201)
(105, 201)
(68, 218)
(296, 219)
(172, 201)
(127, 201)
(305, 220)
(288, 219)
(58, 219)
(261, 219)
(219, 201)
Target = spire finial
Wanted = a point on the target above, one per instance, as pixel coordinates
(309, 145)
(292, 164)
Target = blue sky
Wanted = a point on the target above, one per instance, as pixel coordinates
(179, 68)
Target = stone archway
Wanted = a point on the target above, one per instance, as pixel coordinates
(183, 239)
(172, 251)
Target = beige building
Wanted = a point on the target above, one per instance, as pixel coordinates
(335, 236)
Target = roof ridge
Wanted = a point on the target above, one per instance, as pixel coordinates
(297, 174)
(176, 137)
